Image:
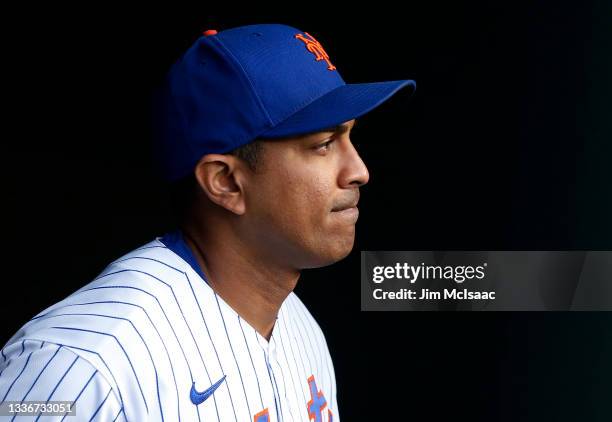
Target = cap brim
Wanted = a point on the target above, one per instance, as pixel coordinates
(340, 105)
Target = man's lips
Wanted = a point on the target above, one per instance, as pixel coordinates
(349, 213)
(347, 210)
(349, 203)
(344, 207)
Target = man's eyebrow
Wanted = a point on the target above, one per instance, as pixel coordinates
(340, 128)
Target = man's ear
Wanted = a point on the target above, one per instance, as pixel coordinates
(219, 176)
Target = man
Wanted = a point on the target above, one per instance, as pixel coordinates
(253, 129)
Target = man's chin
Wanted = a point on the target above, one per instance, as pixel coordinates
(336, 252)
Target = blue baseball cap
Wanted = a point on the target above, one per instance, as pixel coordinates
(256, 81)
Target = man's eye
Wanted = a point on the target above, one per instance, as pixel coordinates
(324, 146)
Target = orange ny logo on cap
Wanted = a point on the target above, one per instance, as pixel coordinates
(316, 48)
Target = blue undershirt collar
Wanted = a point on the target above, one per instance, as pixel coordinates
(175, 241)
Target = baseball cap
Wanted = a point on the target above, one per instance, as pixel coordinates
(255, 81)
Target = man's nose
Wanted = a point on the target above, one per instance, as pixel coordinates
(354, 171)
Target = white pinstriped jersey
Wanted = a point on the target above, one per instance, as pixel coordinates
(131, 344)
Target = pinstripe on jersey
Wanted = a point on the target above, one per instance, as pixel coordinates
(131, 344)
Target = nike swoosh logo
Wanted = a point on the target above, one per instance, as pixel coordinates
(198, 398)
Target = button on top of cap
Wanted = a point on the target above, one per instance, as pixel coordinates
(210, 32)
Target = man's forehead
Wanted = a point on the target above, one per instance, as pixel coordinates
(341, 127)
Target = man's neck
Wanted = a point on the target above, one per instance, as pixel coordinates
(253, 288)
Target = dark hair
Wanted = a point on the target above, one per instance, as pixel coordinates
(251, 153)
(182, 193)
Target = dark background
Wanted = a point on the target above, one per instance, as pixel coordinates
(505, 145)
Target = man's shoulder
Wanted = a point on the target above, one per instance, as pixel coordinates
(41, 370)
(138, 274)
(124, 296)
(149, 259)
(117, 323)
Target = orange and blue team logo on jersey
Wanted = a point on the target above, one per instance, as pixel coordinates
(262, 416)
(317, 402)
(315, 405)
(315, 48)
